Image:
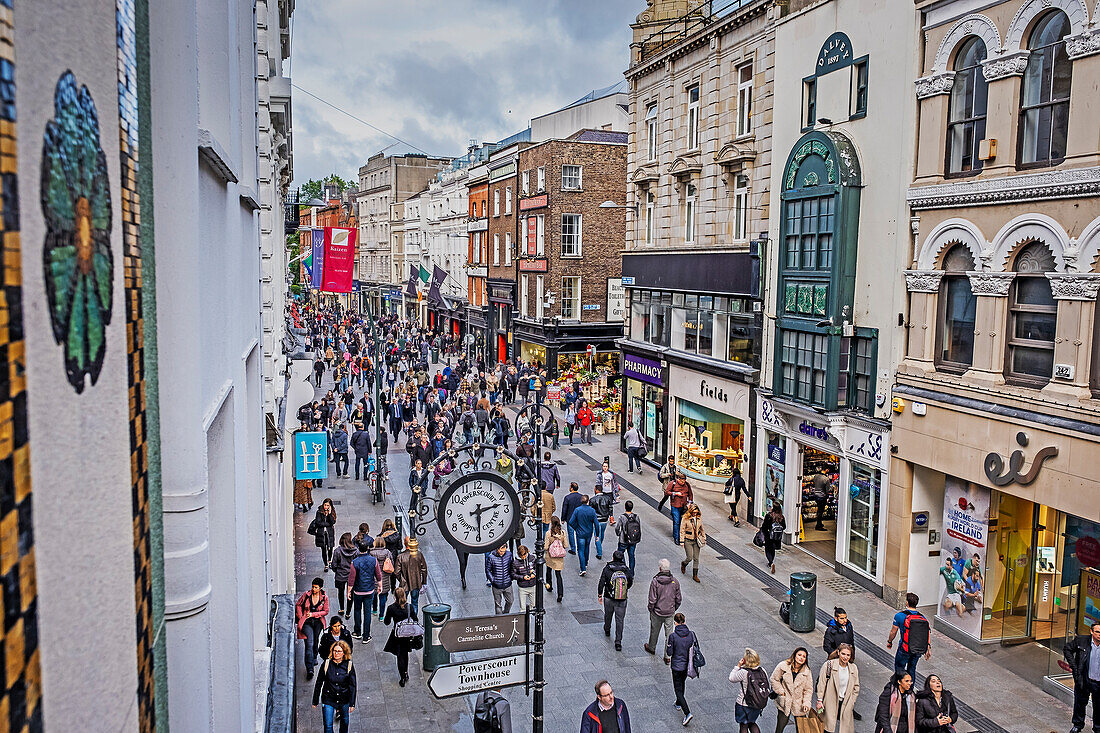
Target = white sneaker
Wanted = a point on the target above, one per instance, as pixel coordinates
(688, 717)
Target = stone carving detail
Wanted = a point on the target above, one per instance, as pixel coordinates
(990, 283)
(930, 86)
(1074, 286)
(923, 281)
(1074, 182)
(1001, 67)
(1083, 44)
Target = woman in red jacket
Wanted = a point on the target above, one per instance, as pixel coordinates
(584, 422)
(310, 612)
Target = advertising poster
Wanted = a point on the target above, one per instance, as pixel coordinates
(616, 299)
(773, 477)
(1089, 604)
(963, 555)
(339, 259)
(318, 236)
(310, 455)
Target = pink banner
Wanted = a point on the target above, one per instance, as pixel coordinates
(339, 260)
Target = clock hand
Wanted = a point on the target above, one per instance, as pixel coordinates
(477, 512)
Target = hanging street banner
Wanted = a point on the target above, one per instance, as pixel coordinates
(410, 289)
(424, 274)
(464, 678)
(484, 632)
(339, 254)
(438, 276)
(318, 237)
(310, 455)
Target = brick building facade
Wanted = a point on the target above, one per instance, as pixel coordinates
(502, 236)
(568, 248)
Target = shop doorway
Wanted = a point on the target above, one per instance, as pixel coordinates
(820, 479)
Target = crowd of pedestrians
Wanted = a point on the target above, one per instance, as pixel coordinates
(463, 403)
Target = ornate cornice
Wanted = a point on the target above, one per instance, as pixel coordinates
(930, 86)
(1069, 286)
(1002, 67)
(1056, 184)
(990, 283)
(923, 281)
(1083, 44)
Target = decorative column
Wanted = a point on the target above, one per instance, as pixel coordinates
(1076, 296)
(923, 287)
(1083, 138)
(1004, 73)
(991, 322)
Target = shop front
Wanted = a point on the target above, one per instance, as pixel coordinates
(709, 436)
(644, 400)
(1012, 547)
(828, 473)
(499, 341)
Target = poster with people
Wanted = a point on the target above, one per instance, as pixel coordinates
(773, 477)
(963, 554)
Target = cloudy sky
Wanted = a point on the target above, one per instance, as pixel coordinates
(437, 73)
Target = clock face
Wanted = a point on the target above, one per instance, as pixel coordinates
(478, 512)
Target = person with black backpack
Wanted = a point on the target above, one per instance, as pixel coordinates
(615, 581)
(629, 530)
(753, 696)
(492, 713)
(915, 637)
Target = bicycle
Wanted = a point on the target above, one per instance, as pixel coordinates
(378, 488)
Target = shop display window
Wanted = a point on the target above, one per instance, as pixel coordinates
(645, 403)
(863, 526)
(708, 443)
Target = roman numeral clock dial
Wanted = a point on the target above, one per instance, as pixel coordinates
(479, 512)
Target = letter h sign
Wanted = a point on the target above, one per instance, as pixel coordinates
(310, 455)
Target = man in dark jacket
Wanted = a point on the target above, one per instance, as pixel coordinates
(498, 571)
(604, 504)
(340, 448)
(550, 476)
(605, 714)
(1083, 656)
(360, 443)
(572, 501)
(615, 581)
(584, 524)
(363, 580)
(839, 631)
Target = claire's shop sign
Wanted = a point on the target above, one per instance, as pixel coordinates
(645, 370)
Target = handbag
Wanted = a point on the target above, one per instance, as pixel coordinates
(408, 629)
(556, 550)
(387, 566)
(697, 657)
(312, 528)
(812, 723)
(785, 611)
(758, 540)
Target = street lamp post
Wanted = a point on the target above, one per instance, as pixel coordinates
(375, 337)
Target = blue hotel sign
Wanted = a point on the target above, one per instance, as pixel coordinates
(310, 455)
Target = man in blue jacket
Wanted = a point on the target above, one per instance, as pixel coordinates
(605, 714)
(583, 522)
(498, 571)
(363, 580)
(571, 501)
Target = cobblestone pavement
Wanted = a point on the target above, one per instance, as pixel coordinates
(735, 606)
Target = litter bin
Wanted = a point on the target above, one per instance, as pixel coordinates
(435, 355)
(803, 602)
(435, 616)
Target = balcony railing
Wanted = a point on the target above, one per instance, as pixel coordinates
(290, 211)
(687, 25)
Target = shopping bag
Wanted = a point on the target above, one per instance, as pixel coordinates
(812, 723)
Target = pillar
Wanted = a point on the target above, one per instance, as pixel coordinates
(1076, 297)
(991, 322)
(923, 287)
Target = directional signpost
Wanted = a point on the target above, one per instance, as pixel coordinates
(464, 678)
(484, 632)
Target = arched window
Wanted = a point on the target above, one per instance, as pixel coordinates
(966, 109)
(1032, 315)
(955, 336)
(1044, 99)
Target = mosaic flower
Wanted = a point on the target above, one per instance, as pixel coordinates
(76, 203)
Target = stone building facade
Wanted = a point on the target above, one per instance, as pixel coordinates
(568, 245)
(1001, 365)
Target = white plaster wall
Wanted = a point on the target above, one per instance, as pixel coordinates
(887, 33)
(924, 577)
(591, 115)
(79, 443)
(209, 304)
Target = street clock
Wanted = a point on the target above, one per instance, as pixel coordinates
(479, 512)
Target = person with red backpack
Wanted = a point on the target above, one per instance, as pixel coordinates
(915, 637)
(754, 694)
(615, 581)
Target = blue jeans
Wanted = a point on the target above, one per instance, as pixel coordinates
(572, 538)
(601, 527)
(632, 458)
(379, 604)
(906, 663)
(582, 550)
(311, 633)
(328, 712)
(360, 608)
(677, 514)
(414, 600)
(363, 461)
(628, 550)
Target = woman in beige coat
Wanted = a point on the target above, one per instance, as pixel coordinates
(837, 689)
(794, 686)
(557, 540)
(692, 538)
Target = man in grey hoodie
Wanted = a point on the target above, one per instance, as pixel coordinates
(664, 600)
